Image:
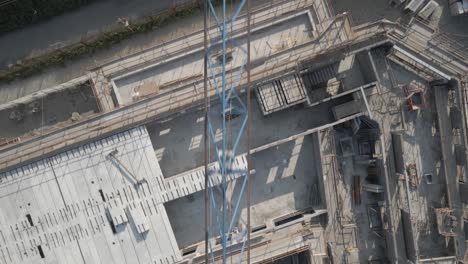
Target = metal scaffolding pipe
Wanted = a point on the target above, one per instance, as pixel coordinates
(249, 124)
(205, 136)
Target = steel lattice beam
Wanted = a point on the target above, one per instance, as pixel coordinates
(220, 51)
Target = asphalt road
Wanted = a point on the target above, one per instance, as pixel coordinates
(71, 26)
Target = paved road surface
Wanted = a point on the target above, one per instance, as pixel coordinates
(71, 26)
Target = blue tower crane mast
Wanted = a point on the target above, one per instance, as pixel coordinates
(227, 65)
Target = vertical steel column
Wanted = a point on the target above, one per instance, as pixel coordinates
(224, 143)
(249, 123)
(205, 136)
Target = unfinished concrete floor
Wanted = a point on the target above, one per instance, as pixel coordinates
(349, 225)
(178, 142)
(283, 183)
(43, 112)
(264, 41)
(286, 177)
(421, 146)
(173, 142)
(352, 71)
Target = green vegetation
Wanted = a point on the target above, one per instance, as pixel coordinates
(105, 40)
(20, 13)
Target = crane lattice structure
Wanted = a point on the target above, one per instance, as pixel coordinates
(227, 61)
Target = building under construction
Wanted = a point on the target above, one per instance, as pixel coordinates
(281, 133)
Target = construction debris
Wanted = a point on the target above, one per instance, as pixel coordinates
(446, 221)
(75, 117)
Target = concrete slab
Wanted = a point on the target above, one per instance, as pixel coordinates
(172, 141)
(282, 184)
(37, 114)
(421, 147)
(281, 35)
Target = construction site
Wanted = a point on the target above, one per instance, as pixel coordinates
(280, 131)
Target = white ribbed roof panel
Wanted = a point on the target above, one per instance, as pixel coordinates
(86, 206)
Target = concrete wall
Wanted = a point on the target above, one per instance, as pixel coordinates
(364, 61)
(397, 143)
(411, 252)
